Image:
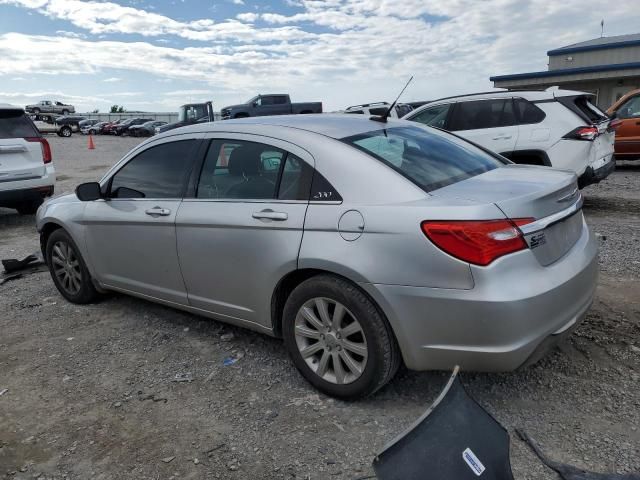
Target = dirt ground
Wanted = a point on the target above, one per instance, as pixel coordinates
(129, 389)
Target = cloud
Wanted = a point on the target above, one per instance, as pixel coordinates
(340, 51)
(248, 17)
(237, 2)
(112, 80)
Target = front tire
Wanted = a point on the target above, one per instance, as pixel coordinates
(338, 339)
(68, 270)
(65, 112)
(65, 131)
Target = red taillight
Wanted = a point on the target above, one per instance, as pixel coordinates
(46, 149)
(614, 125)
(478, 242)
(583, 133)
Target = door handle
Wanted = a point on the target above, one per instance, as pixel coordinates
(502, 137)
(158, 212)
(269, 214)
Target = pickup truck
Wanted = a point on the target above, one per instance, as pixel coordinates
(47, 106)
(263, 105)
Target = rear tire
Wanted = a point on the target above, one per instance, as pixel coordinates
(29, 208)
(348, 355)
(65, 131)
(68, 270)
(36, 111)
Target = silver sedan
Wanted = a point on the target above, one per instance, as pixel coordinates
(363, 244)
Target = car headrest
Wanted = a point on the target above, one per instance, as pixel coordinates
(245, 160)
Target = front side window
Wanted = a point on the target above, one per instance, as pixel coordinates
(630, 109)
(478, 114)
(158, 172)
(430, 159)
(235, 169)
(433, 116)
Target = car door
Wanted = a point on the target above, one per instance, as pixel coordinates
(242, 230)
(488, 122)
(628, 133)
(130, 235)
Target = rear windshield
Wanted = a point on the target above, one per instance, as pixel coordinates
(430, 159)
(15, 124)
(582, 106)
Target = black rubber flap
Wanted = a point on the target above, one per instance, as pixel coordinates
(455, 439)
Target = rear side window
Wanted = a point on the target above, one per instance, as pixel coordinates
(15, 124)
(430, 159)
(237, 169)
(480, 114)
(527, 112)
(158, 172)
(356, 111)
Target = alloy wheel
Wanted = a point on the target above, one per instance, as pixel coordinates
(331, 341)
(66, 267)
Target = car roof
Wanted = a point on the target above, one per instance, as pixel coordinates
(532, 95)
(8, 106)
(330, 125)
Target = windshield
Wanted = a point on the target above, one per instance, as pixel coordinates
(252, 99)
(430, 159)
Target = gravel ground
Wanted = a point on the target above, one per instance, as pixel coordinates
(129, 389)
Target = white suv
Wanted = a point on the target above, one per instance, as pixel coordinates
(27, 175)
(380, 108)
(556, 128)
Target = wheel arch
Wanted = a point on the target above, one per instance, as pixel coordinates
(47, 229)
(291, 280)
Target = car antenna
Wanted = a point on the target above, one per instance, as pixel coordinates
(383, 118)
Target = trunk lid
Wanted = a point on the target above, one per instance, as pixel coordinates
(550, 197)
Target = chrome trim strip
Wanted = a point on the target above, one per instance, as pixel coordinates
(545, 222)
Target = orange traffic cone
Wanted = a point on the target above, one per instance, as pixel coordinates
(91, 145)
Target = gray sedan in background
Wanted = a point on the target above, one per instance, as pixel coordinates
(363, 244)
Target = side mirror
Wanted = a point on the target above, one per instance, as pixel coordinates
(255, 104)
(88, 192)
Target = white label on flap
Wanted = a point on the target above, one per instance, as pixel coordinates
(474, 464)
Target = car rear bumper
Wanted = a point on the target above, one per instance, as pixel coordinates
(515, 312)
(9, 198)
(597, 172)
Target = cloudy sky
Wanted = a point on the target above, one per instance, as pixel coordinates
(156, 55)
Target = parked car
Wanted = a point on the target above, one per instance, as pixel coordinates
(87, 122)
(27, 174)
(44, 122)
(123, 128)
(380, 108)
(263, 105)
(47, 106)
(627, 113)
(363, 244)
(94, 129)
(560, 128)
(189, 114)
(108, 128)
(147, 129)
(68, 124)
